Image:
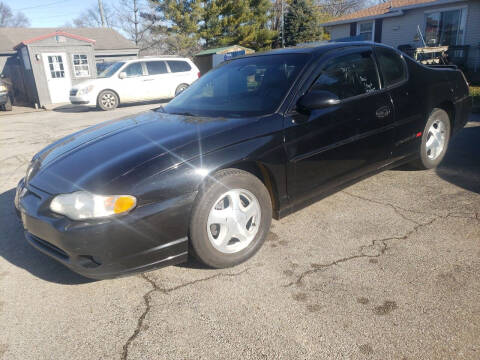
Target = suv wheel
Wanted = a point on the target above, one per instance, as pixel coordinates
(8, 105)
(107, 100)
(181, 88)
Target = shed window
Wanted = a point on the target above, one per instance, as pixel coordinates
(80, 66)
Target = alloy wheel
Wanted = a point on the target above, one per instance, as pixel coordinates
(108, 100)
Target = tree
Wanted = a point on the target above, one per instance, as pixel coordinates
(9, 19)
(302, 23)
(91, 17)
(243, 22)
(177, 22)
(135, 21)
(336, 8)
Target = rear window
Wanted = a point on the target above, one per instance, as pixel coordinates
(156, 67)
(179, 66)
(391, 66)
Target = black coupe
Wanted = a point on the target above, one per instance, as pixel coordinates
(256, 137)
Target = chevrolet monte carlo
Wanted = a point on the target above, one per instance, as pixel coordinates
(257, 137)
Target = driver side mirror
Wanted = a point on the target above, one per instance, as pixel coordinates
(317, 99)
(122, 75)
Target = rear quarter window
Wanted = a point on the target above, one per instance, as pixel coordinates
(178, 66)
(392, 66)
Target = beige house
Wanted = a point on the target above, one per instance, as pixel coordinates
(396, 22)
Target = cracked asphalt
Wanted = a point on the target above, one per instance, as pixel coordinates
(389, 268)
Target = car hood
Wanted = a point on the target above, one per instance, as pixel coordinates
(93, 158)
(94, 82)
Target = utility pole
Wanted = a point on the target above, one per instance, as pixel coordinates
(102, 16)
(283, 24)
(135, 16)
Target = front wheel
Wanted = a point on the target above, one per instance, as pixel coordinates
(107, 100)
(230, 219)
(435, 138)
(8, 105)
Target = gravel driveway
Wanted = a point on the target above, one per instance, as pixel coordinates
(389, 268)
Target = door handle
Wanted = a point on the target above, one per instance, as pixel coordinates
(148, 79)
(382, 112)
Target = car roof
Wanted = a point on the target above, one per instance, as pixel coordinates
(315, 48)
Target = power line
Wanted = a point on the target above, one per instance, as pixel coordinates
(40, 6)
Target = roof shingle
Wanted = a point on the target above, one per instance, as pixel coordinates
(105, 38)
(379, 9)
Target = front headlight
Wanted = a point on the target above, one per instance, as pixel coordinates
(84, 205)
(85, 90)
(3, 88)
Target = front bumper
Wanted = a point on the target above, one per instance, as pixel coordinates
(82, 100)
(151, 236)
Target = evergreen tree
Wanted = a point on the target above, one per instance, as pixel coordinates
(178, 23)
(242, 22)
(302, 23)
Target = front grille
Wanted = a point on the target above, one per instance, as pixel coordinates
(49, 247)
(73, 92)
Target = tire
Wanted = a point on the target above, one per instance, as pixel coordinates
(8, 105)
(236, 241)
(107, 100)
(437, 128)
(180, 88)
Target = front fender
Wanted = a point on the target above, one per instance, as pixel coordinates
(187, 177)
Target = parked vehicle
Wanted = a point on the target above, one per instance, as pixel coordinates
(258, 136)
(136, 80)
(6, 94)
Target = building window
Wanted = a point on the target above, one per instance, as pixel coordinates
(366, 30)
(80, 66)
(443, 28)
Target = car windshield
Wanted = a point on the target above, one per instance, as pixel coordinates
(112, 69)
(251, 86)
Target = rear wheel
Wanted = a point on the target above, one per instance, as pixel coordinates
(435, 138)
(107, 100)
(180, 88)
(230, 219)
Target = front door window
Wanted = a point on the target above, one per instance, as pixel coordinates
(55, 64)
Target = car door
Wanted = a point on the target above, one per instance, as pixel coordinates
(132, 87)
(332, 145)
(157, 80)
(407, 107)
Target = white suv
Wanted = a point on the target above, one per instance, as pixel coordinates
(136, 80)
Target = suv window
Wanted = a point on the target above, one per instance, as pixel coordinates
(391, 66)
(179, 66)
(134, 69)
(156, 67)
(349, 75)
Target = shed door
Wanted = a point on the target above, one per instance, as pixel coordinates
(58, 77)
